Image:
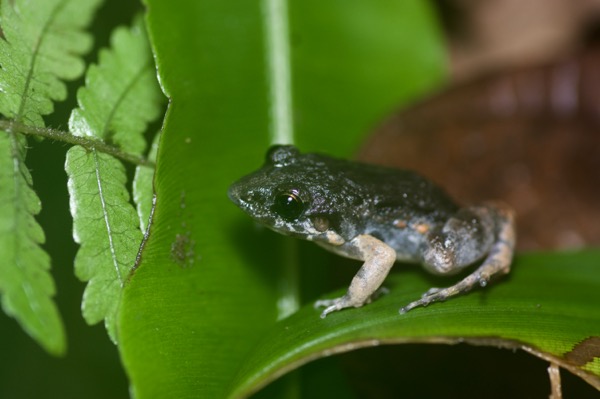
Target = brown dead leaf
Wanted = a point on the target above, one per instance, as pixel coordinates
(530, 137)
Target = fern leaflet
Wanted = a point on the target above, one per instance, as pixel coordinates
(42, 45)
(120, 98)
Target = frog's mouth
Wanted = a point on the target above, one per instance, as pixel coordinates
(234, 194)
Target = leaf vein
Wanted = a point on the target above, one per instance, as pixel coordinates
(126, 90)
(107, 222)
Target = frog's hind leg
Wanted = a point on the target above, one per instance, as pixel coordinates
(497, 262)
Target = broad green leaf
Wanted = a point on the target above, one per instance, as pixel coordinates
(547, 306)
(209, 284)
(121, 96)
(42, 44)
(354, 61)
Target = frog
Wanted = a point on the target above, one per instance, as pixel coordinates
(380, 216)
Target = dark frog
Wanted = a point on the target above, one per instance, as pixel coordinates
(377, 215)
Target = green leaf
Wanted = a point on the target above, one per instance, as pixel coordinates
(547, 306)
(42, 45)
(121, 96)
(25, 282)
(355, 61)
(105, 224)
(209, 285)
(143, 189)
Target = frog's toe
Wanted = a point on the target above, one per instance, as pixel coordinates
(331, 305)
(328, 310)
(323, 302)
(431, 291)
(432, 295)
(426, 299)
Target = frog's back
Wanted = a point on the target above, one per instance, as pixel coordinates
(398, 193)
(396, 206)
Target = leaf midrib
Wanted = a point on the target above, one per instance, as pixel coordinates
(107, 222)
(34, 57)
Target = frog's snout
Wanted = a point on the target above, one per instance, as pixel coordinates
(233, 192)
(240, 195)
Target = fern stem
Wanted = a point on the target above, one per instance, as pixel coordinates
(87, 143)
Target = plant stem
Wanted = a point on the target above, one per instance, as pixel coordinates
(275, 19)
(65, 137)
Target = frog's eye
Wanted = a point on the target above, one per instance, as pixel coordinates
(288, 205)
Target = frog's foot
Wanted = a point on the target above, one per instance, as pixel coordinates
(496, 263)
(441, 294)
(332, 305)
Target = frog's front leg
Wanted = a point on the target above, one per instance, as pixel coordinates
(474, 232)
(379, 259)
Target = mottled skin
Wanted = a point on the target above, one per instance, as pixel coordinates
(377, 215)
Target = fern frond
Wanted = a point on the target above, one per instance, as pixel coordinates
(105, 224)
(25, 282)
(143, 186)
(121, 93)
(42, 45)
(121, 96)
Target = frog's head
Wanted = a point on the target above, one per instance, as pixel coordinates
(290, 194)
